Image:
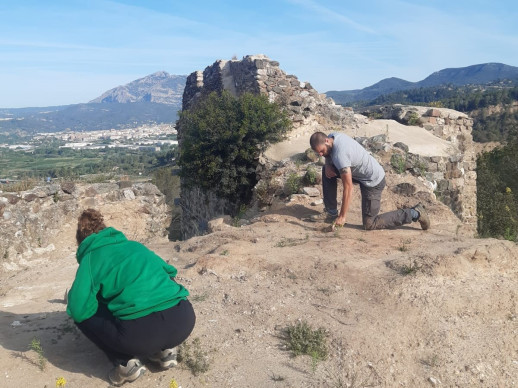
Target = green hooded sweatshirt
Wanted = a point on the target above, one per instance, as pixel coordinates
(131, 280)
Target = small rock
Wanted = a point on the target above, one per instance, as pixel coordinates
(311, 191)
(128, 194)
(16, 324)
(434, 381)
(317, 202)
(311, 155)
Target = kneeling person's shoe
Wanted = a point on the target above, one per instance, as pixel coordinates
(423, 218)
(166, 358)
(322, 217)
(126, 374)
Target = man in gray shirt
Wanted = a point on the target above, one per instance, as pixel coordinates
(348, 160)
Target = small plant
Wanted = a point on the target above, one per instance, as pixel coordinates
(36, 346)
(173, 384)
(432, 361)
(60, 382)
(398, 162)
(55, 197)
(303, 339)
(509, 235)
(291, 242)
(195, 358)
(293, 184)
(275, 377)
(224, 253)
(407, 269)
(413, 119)
(239, 215)
(22, 185)
(326, 291)
(310, 178)
(404, 245)
(403, 269)
(199, 298)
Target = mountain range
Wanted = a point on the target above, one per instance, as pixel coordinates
(160, 87)
(476, 75)
(157, 98)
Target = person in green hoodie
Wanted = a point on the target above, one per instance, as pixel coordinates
(126, 301)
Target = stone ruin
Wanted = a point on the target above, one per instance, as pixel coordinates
(451, 178)
(34, 222)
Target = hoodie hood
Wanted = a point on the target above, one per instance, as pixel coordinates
(107, 236)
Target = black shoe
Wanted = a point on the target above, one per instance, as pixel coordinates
(423, 218)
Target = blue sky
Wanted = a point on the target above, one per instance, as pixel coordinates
(70, 51)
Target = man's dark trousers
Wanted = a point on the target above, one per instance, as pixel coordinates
(371, 202)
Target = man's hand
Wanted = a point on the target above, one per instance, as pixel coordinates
(339, 222)
(330, 171)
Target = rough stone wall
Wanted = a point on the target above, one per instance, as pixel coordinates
(259, 75)
(453, 178)
(37, 220)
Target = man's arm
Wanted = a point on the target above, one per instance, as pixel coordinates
(347, 180)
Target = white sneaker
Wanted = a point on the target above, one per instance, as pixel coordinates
(122, 374)
(166, 358)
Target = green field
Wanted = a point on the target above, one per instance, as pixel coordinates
(65, 163)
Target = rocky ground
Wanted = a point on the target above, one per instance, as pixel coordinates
(401, 308)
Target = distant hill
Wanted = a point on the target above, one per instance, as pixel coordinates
(160, 87)
(85, 117)
(155, 98)
(388, 85)
(475, 74)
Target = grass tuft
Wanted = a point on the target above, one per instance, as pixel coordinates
(302, 339)
(194, 357)
(36, 346)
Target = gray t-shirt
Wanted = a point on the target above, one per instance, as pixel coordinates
(347, 152)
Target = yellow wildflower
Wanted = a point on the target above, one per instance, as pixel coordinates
(173, 384)
(60, 382)
(508, 190)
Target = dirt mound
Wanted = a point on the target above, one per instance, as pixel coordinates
(400, 307)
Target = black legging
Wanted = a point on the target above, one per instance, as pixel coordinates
(122, 340)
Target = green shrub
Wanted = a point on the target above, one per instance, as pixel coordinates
(310, 178)
(293, 183)
(413, 119)
(194, 357)
(497, 188)
(222, 138)
(398, 162)
(303, 339)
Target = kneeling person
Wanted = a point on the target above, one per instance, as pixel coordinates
(348, 160)
(126, 301)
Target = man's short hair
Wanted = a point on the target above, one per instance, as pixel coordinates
(316, 139)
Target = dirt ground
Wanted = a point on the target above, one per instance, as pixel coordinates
(401, 308)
